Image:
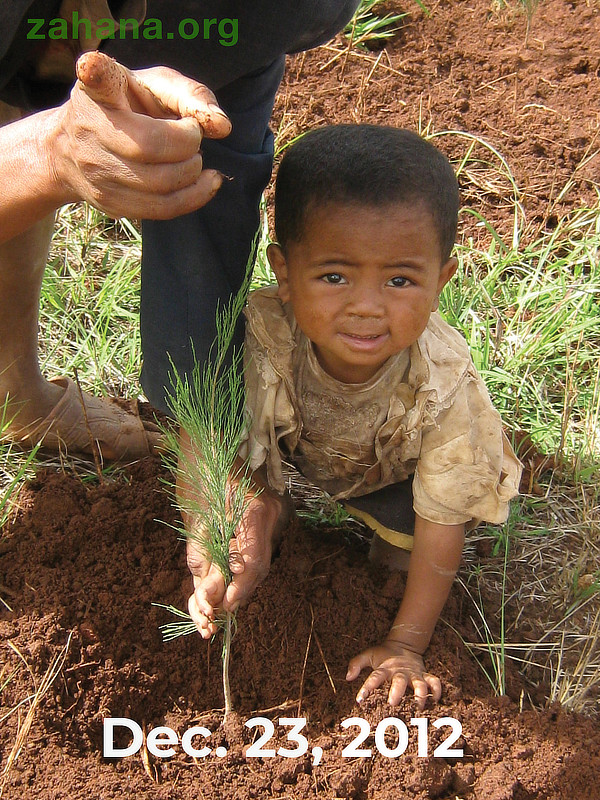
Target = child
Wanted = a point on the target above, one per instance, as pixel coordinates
(352, 376)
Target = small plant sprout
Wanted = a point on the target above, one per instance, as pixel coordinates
(366, 28)
(212, 488)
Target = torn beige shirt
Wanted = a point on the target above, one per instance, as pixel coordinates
(426, 411)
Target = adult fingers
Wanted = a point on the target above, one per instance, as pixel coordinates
(159, 91)
(164, 89)
(103, 79)
(131, 135)
(120, 201)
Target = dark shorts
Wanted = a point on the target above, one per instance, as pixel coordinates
(388, 512)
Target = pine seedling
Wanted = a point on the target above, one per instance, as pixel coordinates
(208, 405)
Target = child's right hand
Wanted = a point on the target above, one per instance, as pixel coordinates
(392, 661)
(250, 560)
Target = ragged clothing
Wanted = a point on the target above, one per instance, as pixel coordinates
(426, 411)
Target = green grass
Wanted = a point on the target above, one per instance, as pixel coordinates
(90, 302)
(368, 29)
(531, 316)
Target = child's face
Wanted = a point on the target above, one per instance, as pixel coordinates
(362, 283)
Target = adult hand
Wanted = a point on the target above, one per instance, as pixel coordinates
(394, 662)
(137, 154)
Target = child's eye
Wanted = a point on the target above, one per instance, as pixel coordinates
(332, 277)
(399, 281)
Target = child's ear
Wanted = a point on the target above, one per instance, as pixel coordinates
(279, 267)
(446, 272)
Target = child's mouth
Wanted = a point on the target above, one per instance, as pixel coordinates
(363, 341)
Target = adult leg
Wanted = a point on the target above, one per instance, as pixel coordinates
(192, 263)
(38, 409)
(22, 262)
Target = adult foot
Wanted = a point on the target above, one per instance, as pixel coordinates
(70, 420)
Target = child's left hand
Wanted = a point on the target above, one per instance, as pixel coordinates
(392, 661)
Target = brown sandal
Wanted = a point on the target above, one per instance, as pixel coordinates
(115, 426)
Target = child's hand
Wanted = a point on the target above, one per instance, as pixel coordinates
(392, 661)
(250, 559)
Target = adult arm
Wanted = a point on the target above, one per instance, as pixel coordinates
(137, 160)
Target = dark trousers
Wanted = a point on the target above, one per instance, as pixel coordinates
(192, 263)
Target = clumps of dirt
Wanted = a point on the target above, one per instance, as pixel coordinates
(87, 561)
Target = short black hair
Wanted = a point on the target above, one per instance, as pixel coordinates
(368, 165)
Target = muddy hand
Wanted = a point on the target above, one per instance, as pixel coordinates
(250, 559)
(394, 663)
(128, 142)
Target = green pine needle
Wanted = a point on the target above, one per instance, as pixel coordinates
(209, 405)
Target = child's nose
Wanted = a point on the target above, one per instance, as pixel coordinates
(366, 302)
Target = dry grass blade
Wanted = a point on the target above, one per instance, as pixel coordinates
(50, 676)
(572, 687)
(149, 767)
(325, 664)
(301, 692)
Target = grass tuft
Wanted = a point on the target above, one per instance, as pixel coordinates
(16, 466)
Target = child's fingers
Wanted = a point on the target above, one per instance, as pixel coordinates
(206, 626)
(376, 679)
(435, 685)
(421, 690)
(240, 589)
(209, 591)
(399, 672)
(254, 569)
(357, 664)
(197, 562)
(398, 688)
(243, 585)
